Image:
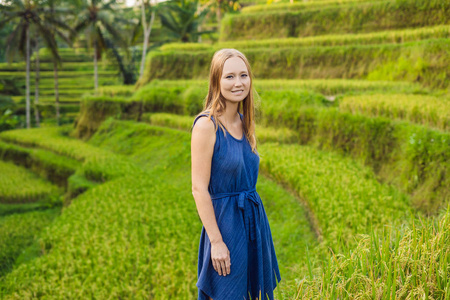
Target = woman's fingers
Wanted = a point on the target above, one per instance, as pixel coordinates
(228, 264)
(214, 265)
(218, 267)
(220, 256)
(224, 268)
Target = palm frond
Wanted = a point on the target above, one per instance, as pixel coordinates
(168, 21)
(64, 37)
(101, 44)
(80, 26)
(115, 34)
(23, 38)
(49, 39)
(13, 41)
(8, 19)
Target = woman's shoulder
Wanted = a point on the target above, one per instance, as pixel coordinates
(205, 123)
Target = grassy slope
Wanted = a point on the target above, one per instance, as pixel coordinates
(170, 155)
(17, 232)
(134, 235)
(116, 232)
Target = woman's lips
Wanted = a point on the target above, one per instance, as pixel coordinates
(238, 92)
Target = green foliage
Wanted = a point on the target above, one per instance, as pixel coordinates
(324, 86)
(31, 18)
(192, 63)
(379, 142)
(188, 99)
(119, 230)
(426, 110)
(348, 61)
(70, 64)
(95, 109)
(345, 198)
(185, 47)
(5, 31)
(160, 99)
(194, 98)
(300, 5)
(263, 134)
(17, 232)
(346, 18)
(397, 263)
(97, 165)
(44, 163)
(178, 99)
(378, 37)
(147, 235)
(99, 21)
(18, 185)
(62, 74)
(76, 185)
(411, 157)
(116, 90)
(166, 151)
(8, 120)
(182, 20)
(286, 99)
(168, 120)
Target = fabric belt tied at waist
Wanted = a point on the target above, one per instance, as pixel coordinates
(249, 212)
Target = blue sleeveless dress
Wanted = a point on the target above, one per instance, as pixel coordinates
(243, 224)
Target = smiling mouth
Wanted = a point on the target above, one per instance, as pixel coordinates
(237, 91)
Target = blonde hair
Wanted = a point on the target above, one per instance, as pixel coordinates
(215, 102)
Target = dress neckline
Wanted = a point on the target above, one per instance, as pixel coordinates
(243, 132)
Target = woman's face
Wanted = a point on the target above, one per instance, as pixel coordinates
(235, 81)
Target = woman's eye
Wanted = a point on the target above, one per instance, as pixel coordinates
(244, 75)
(229, 76)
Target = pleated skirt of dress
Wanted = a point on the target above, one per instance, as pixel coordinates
(254, 266)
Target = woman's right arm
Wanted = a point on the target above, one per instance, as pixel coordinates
(202, 148)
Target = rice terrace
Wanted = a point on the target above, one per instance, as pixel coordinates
(97, 103)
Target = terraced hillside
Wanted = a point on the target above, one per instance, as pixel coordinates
(395, 40)
(352, 129)
(131, 201)
(75, 79)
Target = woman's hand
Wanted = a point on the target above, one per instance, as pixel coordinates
(220, 257)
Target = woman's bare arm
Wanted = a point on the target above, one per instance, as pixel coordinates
(202, 149)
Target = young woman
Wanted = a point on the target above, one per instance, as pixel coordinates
(236, 258)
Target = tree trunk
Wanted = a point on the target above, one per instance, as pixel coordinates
(218, 12)
(199, 25)
(147, 31)
(55, 75)
(28, 77)
(36, 86)
(95, 68)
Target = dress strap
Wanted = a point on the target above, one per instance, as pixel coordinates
(203, 115)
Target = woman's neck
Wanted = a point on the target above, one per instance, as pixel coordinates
(229, 115)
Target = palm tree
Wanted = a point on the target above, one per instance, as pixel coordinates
(182, 19)
(56, 26)
(25, 14)
(147, 28)
(222, 6)
(36, 81)
(98, 19)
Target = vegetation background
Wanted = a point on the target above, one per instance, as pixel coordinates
(97, 99)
